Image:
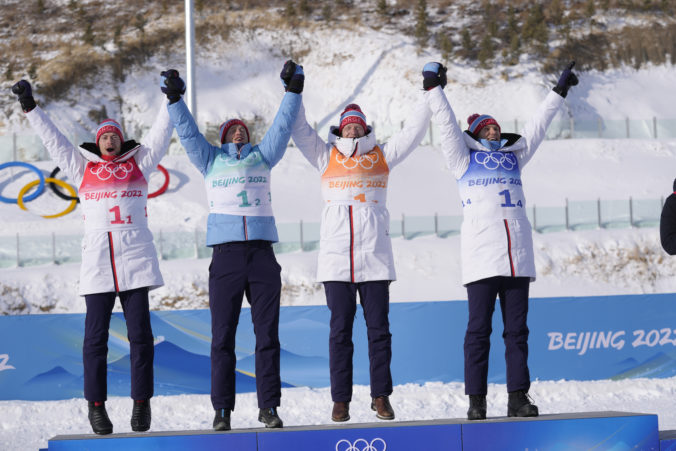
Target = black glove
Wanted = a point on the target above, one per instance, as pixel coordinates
(172, 85)
(434, 74)
(566, 80)
(25, 92)
(292, 77)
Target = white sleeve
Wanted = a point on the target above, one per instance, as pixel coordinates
(535, 129)
(313, 148)
(452, 141)
(62, 151)
(155, 144)
(408, 138)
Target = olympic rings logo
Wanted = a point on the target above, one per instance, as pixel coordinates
(366, 161)
(377, 444)
(108, 169)
(493, 160)
(71, 195)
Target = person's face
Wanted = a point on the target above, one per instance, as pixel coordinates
(353, 130)
(110, 144)
(490, 132)
(236, 134)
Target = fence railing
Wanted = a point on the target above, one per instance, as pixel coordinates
(28, 147)
(27, 250)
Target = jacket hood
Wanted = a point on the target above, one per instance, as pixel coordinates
(348, 146)
(232, 150)
(91, 151)
(514, 142)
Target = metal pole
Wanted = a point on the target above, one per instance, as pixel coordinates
(436, 224)
(189, 53)
(301, 235)
(53, 248)
(600, 126)
(567, 217)
(197, 246)
(535, 221)
(403, 230)
(572, 128)
(160, 242)
(631, 213)
(14, 146)
(627, 125)
(654, 127)
(598, 211)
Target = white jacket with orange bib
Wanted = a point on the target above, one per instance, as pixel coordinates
(355, 241)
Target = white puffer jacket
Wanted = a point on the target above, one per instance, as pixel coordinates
(496, 236)
(355, 243)
(118, 253)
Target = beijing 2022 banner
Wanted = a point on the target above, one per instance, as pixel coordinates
(609, 337)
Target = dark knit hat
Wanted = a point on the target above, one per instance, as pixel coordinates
(478, 121)
(229, 123)
(351, 115)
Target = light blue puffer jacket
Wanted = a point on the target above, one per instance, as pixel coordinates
(224, 228)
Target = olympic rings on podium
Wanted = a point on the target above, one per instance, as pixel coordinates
(57, 191)
(164, 186)
(33, 196)
(61, 183)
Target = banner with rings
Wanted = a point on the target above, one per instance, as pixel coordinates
(61, 188)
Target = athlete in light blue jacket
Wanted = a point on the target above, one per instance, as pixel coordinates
(241, 229)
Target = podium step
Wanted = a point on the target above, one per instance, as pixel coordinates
(590, 430)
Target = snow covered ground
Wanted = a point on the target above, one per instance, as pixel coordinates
(384, 78)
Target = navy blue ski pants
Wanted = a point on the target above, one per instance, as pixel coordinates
(237, 269)
(513, 294)
(341, 298)
(95, 346)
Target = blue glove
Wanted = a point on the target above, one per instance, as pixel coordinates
(292, 77)
(566, 80)
(172, 85)
(434, 74)
(25, 92)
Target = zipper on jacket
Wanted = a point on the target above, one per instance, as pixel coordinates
(509, 248)
(351, 246)
(246, 233)
(111, 252)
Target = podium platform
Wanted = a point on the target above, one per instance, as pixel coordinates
(579, 431)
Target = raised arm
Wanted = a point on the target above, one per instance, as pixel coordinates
(156, 142)
(60, 149)
(451, 137)
(535, 129)
(308, 141)
(200, 152)
(274, 143)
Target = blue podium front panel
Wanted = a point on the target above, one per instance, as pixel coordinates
(608, 431)
(407, 437)
(197, 440)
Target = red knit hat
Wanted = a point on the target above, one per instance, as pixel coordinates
(478, 121)
(109, 126)
(351, 115)
(225, 126)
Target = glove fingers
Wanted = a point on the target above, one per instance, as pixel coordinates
(573, 80)
(571, 65)
(18, 88)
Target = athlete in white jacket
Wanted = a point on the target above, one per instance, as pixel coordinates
(355, 252)
(118, 254)
(496, 240)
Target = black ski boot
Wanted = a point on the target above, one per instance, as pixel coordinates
(222, 420)
(140, 416)
(477, 407)
(521, 405)
(98, 418)
(269, 417)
